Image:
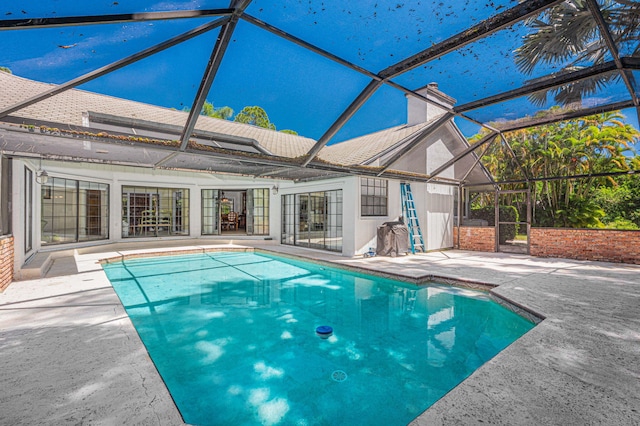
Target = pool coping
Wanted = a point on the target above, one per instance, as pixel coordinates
(578, 366)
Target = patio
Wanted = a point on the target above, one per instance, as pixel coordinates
(68, 344)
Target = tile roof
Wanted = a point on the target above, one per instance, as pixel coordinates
(68, 107)
(358, 150)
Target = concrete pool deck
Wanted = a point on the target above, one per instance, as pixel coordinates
(70, 355)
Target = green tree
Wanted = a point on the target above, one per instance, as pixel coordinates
(256, 116)
(253, 115)
(595, 144)
(224, 113)
(5, 69)
(288, 131)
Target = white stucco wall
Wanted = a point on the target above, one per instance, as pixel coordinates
(18, 218)
(366, 227)
(119, 176)
(419, 111)
(434, 207)
(439, 216)
(434, 202)
(440, 199)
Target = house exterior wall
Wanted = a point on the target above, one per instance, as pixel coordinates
(117, 177)
(434, 206)
(439, 216)
(366, 227)
(18, 219)
(358, 233)
(434, 202)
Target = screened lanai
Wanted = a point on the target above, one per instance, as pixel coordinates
(331, 72)
(150, 110)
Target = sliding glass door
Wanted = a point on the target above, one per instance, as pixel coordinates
(313, 220)
(74, 211)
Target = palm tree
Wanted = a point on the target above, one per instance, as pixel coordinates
(567, 36)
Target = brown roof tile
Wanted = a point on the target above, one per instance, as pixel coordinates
(68, 107)
(360, 149)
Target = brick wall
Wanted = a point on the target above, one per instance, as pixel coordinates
(607, 245)
(6, 261)
(476, 238)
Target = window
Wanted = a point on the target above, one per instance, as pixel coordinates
(373, 197)
(74, 211)
(154, 212)
(313, 220)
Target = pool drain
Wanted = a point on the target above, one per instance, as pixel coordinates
(339, 376)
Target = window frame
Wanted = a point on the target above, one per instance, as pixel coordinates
(66, 214)
(155, 211)
(374, 197)
(300, 220)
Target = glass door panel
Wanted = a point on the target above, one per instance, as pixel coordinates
(210, 212)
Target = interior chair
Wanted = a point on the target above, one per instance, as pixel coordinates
(232, 220)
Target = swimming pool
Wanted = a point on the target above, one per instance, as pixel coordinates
(233, 335)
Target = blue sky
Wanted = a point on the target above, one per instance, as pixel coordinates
(298, 89)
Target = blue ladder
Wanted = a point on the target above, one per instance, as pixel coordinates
(411, 219)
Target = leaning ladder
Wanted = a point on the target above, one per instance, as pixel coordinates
(411, 218)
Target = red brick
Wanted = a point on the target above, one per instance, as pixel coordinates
(6, 262)
(475, 238)
(608, 245)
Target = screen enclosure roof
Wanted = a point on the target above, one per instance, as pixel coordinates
(331, 71)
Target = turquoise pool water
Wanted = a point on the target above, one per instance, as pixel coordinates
(233, 336)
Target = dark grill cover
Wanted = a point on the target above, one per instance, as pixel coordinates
(393, 239)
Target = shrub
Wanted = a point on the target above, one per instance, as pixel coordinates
(621, 223)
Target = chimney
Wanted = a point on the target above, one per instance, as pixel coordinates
(419, 111)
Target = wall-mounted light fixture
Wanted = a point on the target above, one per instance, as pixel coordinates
(42, 177)
(274, 190)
